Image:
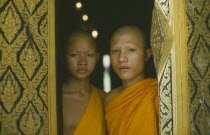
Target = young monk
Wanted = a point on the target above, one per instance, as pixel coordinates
(82, 102)
(131, 109)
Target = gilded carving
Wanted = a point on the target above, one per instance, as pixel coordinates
(164, 4)
(30, 58)
(9, 56)
(190, 27)
(2, 3)
(165, 100)
(198, 5)
(32, 5)
(43, 90)
(208, 22)
(202, 110)
(199, 62)
(30, 119)
(24, 67)
(161, 37)
(156, 38)
(162, 40)
(10, 22)
(200, 54)
(30, 94)
(43, 28)
(9, 90)
(10, 127)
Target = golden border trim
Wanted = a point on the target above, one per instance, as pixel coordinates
(181, 97)
(52, 69)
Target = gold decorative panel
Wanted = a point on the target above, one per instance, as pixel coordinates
(164, 4)
(198, 44)
(169, 50)
(165, 99)
(156, 38)
(10, 90)
(185, 34)
(24, 60)
(161, 36)
(162, 43)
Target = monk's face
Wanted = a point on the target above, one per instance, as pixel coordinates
(81, 57)
(128, 55)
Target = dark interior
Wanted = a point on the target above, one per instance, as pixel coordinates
(105, 16)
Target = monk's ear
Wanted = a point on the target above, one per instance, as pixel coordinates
(148, 54)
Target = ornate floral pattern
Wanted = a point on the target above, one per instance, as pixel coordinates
(165, 99)
(24, 67)
(198, 31)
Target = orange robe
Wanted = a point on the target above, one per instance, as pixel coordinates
(92, 121)
(134, 110)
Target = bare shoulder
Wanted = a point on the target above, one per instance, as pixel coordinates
(112, 94)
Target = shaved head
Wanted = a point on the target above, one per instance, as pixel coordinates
(78, 34)
(133, 30)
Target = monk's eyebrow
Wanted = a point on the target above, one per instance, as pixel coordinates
(129, 44)
(115, 47)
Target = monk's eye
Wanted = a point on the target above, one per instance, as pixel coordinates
(73, 55)
(90, 55)
(131, 50)
(115, 51)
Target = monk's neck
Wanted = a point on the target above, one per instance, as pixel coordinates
(127, 83)
(77, 85)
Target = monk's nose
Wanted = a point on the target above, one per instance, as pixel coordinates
(123, 57)
(82, 60)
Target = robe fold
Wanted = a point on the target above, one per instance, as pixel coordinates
(92, 121)
(134, 111)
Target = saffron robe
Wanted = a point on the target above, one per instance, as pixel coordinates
(134, 111)
(92, 121)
